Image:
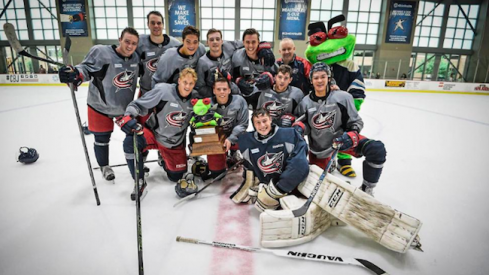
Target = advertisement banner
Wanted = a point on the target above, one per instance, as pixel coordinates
(73, 17)
(401, 21)
(181, 14)
(293, 15)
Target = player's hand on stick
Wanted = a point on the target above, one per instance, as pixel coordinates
(346, 141)
(129, 125)
(70, 74)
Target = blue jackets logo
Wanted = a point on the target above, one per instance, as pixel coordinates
(123, 80)
(323, 120)
(275, 108)
(152, 65)
(176, 118)
(271, 163)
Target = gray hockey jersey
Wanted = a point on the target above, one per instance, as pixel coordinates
(112, 77)
(234, 116)
(243, 66)
(327, 118)
(172, 62)
(150, 53)
(282, 103)
(172, 113)
(207, 64)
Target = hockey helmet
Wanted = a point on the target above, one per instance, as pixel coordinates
(27, 155)
(200, 168)
(186, 186)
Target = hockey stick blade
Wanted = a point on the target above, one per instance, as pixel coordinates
(303, 209)
(293, 254)
(15, 44)
(219, 177)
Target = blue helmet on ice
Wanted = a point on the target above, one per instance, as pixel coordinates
(27, 155)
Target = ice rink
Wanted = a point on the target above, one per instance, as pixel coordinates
(436, 165)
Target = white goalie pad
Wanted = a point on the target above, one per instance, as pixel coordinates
(279, 229)
(389, 227)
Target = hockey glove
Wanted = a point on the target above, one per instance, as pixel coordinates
(268, 197)
(70, 74)
(346, 141)
(265, 54)
(244, 86)
(287, 120)
(299, 127)
(129, 125)
(264, 81)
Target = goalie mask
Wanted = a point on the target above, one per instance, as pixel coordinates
(27, 155)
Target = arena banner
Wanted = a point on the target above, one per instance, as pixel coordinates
(400, 22)
(293, 15)
(181, 14)
(73, 17)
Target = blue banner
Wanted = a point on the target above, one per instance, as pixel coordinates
(293, 15)
(401, 21)
(181, 14)
(73, 17)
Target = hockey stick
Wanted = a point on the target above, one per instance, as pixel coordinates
(15, 44)
(303, 209)
(219, 177)
(138, 205)
(124, 164)
(293, 254)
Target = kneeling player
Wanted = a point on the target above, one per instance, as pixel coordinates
(275, 162)
(171, 106)
(331, 116)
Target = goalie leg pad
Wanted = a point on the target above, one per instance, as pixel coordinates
(242, 194)
(389, 227)
(278, 228)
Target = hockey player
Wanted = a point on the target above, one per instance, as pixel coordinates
(234, 112)
(175, 60)
(300, 66)
(253, 66)
(112, 72)
(171, 105)
(331, 116)
(334, 47)
(151, 47)
(275, 162)
(216, 60)
(282, 99)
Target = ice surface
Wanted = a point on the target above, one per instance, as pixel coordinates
(49, 222)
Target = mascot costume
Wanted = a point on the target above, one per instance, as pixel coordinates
(334, 46)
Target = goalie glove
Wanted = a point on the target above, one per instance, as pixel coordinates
(279, 228)
(268, 197)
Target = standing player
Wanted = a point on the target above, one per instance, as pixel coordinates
(252, 66)
(276, 156)
(151, 47)
(234, 112)
(282, 100)
(112, 72)
(174, 60)
(171, 104)
(331, 116)
(217, 59)
(300, 66)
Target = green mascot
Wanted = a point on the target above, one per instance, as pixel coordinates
(334, 46)
(203, 114)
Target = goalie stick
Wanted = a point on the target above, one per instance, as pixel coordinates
(15, 44)
(219, 177)
(303, 209)
(293, 254)
(138, 205)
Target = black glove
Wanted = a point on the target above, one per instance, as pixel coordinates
(265, 54)
(215, 73)
(244, 86)
(129, 125)
(264, 81)
(70, 74)
(346, 141)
